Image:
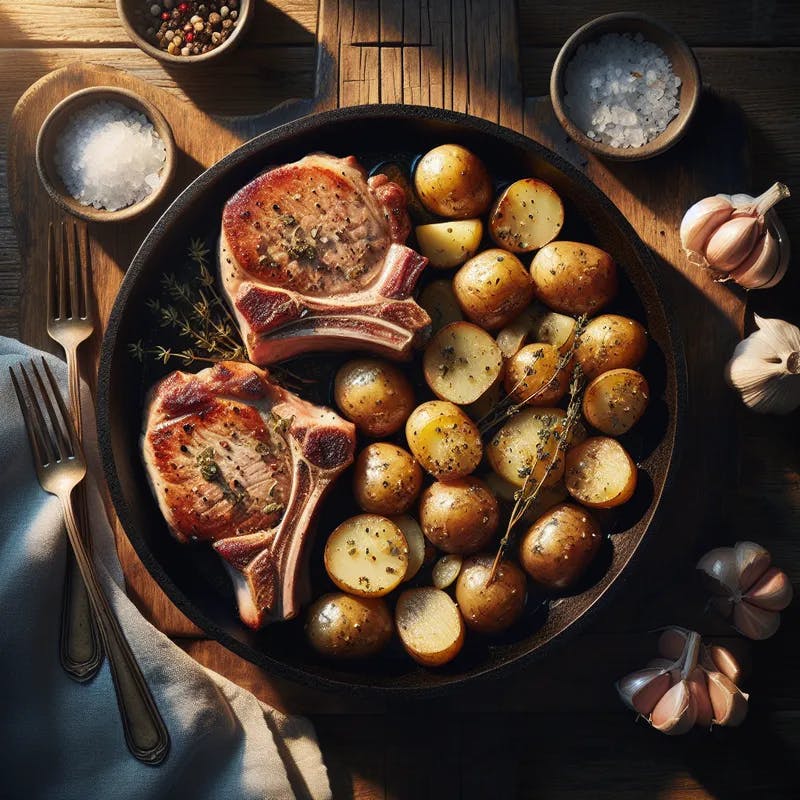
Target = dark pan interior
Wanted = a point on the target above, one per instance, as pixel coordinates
(193, 577)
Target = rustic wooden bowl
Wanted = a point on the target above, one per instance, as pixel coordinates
(684, 65)
(127, 11)
(54, 124)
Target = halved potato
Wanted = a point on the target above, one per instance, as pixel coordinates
(439, 300)
(430, 625)
(526, 216)
(416, 541)
(461, 362)
(448, 244)
(536, 376)
(616, 400)
(366, 555)
(527, 444)
(341, 626)
(610, 341)
(599, 473)
(444, 440)
(537, 323)
(446, 569)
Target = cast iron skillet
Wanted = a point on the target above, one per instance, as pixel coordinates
(192, 576)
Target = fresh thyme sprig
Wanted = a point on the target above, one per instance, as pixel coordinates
(526, 496)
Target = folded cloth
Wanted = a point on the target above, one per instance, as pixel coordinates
(64, 740)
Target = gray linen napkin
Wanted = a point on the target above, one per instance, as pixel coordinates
(63, 740)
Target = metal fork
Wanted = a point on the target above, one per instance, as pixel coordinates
(60, 467)
(70, 322)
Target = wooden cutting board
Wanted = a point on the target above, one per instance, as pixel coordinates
(464, 56)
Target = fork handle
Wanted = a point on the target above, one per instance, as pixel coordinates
(145, 732)
(74, 386)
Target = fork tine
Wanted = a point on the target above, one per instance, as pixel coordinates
(60, 436)
(52, 279)
(63, 261)
(31, 428)
(66, 418)
(49, 447)
(74, 256)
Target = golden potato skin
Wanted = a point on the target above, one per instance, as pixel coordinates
(610, 341)
(574, 278)
(492, 288)
(453, 182)
(461, 516)
(490, 607)
(559, 546)
(616, 400)
(374, 394)
(341, 626)
(386, 479)
(534, 375)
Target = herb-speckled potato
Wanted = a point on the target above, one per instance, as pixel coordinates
(535, 375)
(490, 607)
(430, 625)
(341, 626)
(416, 543)
(616, 400)
(448, 244)
(599, 473)
(492, 288)
(453, 182)
(386, 479)
(537, 323)
(574, 278)
(559, 546)
(374, 394)
(610, 341)
(460, 516)
(439, 300)
(444, 440)
(527, 215)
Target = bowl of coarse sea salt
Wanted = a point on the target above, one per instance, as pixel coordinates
(625, 87)
(105, 154)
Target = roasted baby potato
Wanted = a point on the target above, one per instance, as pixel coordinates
(446, 569)
(537, 323)
(460, 516)
(574, 278)
(430, 626)
(448, 244)
(536, 376)
(366, 555)
(386, 479)
(526, 446)
(444, 440)
(615, 401)
(453, 182)
(341, 626)
(599, 473)
(490, 607)
(374, 394)
(526, 216)
(610, 342)
(416, 543)
(439, 300)
(461, 362)
(492, 288)
(559, 546)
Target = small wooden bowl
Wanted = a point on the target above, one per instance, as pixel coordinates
(684, 65)
(126, 9)
(54, 124)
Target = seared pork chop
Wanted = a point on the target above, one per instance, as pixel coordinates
(237, 460)
(312, 258)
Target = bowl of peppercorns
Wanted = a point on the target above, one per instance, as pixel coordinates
(185, 31)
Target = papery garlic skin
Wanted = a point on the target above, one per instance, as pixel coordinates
(765, 367)
(641, 690)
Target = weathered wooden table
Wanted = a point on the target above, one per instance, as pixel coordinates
(555, 729)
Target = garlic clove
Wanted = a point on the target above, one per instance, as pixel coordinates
(727, 700)
(701, 220)
(699, 689)
(754, 622)
(752, 561)
(715, 658)
(672, 643)
(778, 233)
(772, 591)
(761, 266)
(641, 690)
(676, 712)
(732, 242)
(721, 570)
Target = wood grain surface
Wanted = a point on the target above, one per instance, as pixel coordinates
(555, 730)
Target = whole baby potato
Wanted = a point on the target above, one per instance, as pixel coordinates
(610, 341)
(374, 394)
(559, 546)
(453, 182)
(386, 479)
(341, 626)
(490, 607)
(461, 516)
(535, 375)
(492, 288)
(574, 278)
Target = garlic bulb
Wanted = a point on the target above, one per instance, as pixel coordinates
(765, 367)
(747, 588)
(739, 237)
